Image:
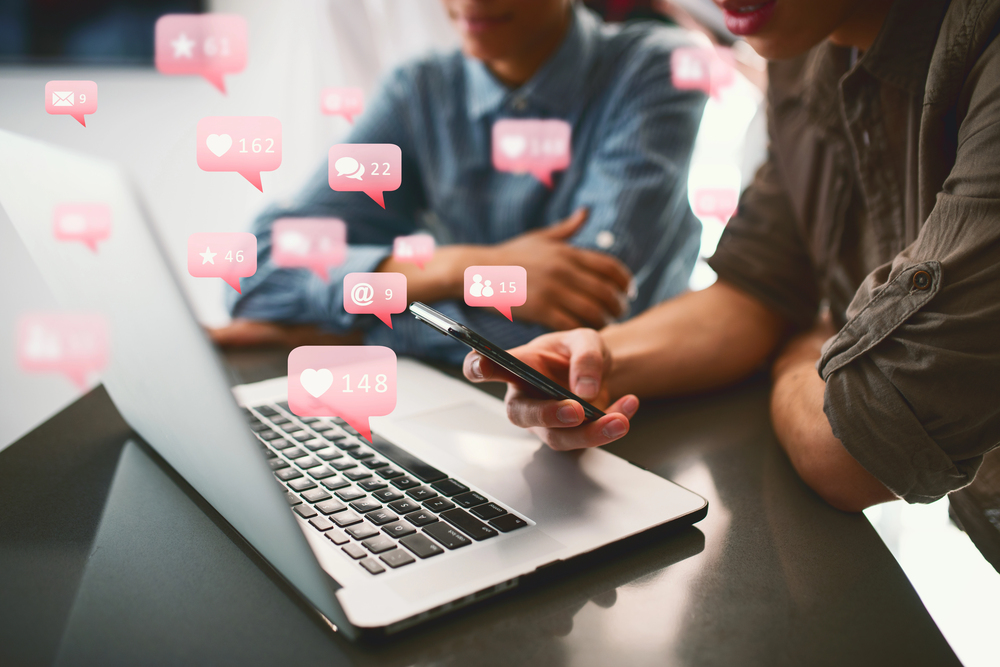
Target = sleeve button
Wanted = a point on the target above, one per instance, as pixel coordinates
(921, 280)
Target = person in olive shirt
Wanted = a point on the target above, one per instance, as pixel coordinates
(863, 263)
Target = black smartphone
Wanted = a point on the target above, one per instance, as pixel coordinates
(464, 334)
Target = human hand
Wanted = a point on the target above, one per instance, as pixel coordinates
(576, 359)
(568, 287)
(247, 333)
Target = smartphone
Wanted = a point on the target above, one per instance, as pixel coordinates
(464, 334)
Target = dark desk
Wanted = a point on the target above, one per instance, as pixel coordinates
(108, 558)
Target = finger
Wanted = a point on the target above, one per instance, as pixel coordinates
(478, 368)
(528, 412)
(604, 264)
(566, 228)
(587, 360)
(590, 434)
(627, 405)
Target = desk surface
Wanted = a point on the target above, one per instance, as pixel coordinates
(107, 557)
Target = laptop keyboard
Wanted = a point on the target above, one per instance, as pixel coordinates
(383, 506)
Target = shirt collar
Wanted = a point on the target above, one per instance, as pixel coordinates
(556, 87)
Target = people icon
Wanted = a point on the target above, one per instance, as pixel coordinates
(478, 288)
(404, 249)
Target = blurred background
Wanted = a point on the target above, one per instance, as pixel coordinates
(297, 49)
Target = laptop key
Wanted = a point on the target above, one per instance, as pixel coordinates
(350, 494)
(372, 484)
(417, 467)
(420, 545)
(387, 495)
(321, 473)
(347, 444)
(345, 464)
(266, 410)
(258, 426)
(404, 483)
(355, 475)
(305, 511)
(438, 504)
(321, 523)
(331, 506)
(337, 537)
(404, 506)
(421, 518)
(300, 436)
(447, 535)
(354, 551)
(469, 499)
(344, 519)
(295, 453)
(397, 558)
(282, 444)
(378, 544)
(316, 495)
(335, 484)
(374, 463)
(316, 444)
(288, 474)
(372, 566)
(276, 463)
(329, 454)
(322, 427)
(365, 505)
(468, 524)
(308, 420)
(268, 434)
(488, 511)
(307, 463)
(449, 487)
(381, 517)
(508, 522)
(398, 529)
(292, 498)
(362, 531)
(361, 453)
(421, 493)
(303, 484)
(389, 473)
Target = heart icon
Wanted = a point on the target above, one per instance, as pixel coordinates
(513, 145)
(219, 143)
(316, 382)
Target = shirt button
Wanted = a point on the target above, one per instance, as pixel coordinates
(921, 280)
(605, 239)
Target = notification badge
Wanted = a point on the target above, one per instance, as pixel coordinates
(74, 344)
(346, 102)
(706, 69)
(353, 382)
(500, 287)
(208, 45)
(369, 168)
(71, 98)
(247, 145)
(226, 255)
(83, 223)
(718, 203)
(378, 294)
(532, 146)
(316, 244)
(417, 249)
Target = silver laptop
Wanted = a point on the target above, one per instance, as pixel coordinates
(449, 503)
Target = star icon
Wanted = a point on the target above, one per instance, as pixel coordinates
(182, 46)
(208, 257)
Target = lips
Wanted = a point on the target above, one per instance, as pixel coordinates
(747, 19)
(477, 24)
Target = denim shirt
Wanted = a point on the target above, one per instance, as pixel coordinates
(632, 137)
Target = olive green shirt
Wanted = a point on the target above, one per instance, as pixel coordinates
(881, 198)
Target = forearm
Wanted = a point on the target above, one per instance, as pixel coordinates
(698, 341)
(441, 278)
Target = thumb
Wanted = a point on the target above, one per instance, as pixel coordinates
(566, 228)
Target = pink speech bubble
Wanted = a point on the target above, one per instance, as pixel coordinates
(707, 69)
(353, 382)
(71, 98)
(378, 294)
(309, 243)
(369, 168)
(717, 203)
(226, 255)
(247, 145)
(209, 45)
(417, 249)
(501, 287)
(86, 223)
(346, 102)
(74, 344)
(537, 147)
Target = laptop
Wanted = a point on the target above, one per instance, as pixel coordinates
(448, 504)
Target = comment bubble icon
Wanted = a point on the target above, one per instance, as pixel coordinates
(532, 146)
(316, 244)
(71, 98)
(353, 382)
(247, 145)
(346, 102)
(369, 168)
(73, 344)
(718, 203)
(700, 68)
(417, 249)
(500, 287)
(85, 223)
(226, 255)
(206, 45)
(378, 294)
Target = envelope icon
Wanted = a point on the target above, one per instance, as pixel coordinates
(62, 98)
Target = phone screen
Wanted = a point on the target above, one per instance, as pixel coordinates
(464, 334)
